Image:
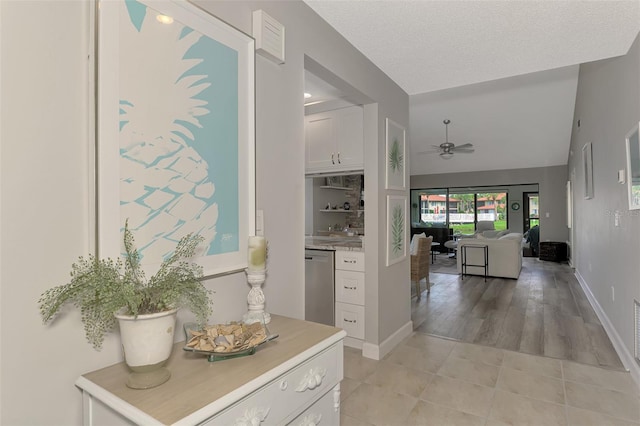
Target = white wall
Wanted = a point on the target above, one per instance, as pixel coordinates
(606, 256)
(46, 199)
(280, 158)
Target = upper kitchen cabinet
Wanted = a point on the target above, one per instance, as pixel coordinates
(334, 141)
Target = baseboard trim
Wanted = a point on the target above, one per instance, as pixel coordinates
(377, 352)
(625, 356)
(353, 343)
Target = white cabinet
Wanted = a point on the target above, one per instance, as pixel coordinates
(334, 141)
(349, 291)
(295, 380)
(350, 287)
(295, 390)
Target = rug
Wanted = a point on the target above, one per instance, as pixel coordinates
(443, 264)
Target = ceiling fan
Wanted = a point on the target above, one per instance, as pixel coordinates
(447, 149)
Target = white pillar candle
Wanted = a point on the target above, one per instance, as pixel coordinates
(257, 253)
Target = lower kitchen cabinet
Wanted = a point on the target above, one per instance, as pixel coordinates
(349, 292)
(293, 380)
(351, 319)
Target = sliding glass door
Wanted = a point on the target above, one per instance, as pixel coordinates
(531, 210)
(458, 209)
(491, 206)
(462, 212)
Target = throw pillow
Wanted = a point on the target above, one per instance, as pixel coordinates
(511, 236)
(489, 234)
(503, 233)
(413, 249)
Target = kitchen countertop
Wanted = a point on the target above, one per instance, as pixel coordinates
(334, 243)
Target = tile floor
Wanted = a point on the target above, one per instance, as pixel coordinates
(428, 380)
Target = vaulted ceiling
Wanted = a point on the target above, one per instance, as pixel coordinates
(504, 72)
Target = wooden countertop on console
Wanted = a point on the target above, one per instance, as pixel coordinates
(196, 383)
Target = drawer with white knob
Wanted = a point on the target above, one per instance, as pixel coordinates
(286, 396)
(350, 260)
(324, 412)
(350, 318)
(350, 287)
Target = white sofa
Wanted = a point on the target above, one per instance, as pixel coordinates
(504, 255)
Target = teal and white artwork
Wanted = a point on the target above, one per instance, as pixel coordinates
(396, 228)
(185, 162)
(395, 156)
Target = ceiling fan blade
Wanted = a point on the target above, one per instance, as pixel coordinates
(463, 151)
(466, 145)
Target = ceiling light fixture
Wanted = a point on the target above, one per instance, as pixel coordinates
(164, 19)
(446, 155)
(307, 95)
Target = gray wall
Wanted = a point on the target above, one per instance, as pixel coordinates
(608, 106)
(551, 185)
(47, 205)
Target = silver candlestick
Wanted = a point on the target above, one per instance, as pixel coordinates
(256, 298)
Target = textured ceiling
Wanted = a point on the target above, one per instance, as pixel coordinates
(504, 72)
(431, 45)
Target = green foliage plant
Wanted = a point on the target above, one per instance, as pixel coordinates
(395, 156)
(397, 229)
(101, 288)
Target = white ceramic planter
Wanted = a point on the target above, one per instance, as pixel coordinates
(147, 341)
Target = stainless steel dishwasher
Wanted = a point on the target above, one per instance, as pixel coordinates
(319, 300)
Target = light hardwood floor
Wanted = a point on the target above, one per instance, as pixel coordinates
(543, 312)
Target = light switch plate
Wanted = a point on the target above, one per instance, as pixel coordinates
(621, 176)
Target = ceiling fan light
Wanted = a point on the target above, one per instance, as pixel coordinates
(446, 155)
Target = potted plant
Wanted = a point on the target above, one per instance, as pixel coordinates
(108, 292)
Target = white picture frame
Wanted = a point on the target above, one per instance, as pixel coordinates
(396, 228)
(175, 153)
(395, 156)
(587, 163)
(632, 144)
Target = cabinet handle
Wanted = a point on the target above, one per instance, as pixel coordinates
(351, 261)
(332, 162)
(339, 158)
(351, 321)
(349, 288)
(252, 417)
(312, 379)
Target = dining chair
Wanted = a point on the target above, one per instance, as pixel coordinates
(420, 263)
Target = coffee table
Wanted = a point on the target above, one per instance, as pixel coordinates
(452, 245)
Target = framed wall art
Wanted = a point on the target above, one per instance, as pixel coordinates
(175, 141)
(396, 228)
(632, 142)
(587, 163)
(395, 156)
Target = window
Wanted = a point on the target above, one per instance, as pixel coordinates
(458, 209)
(429, 207)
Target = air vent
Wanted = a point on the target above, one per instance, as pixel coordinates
(637, 330)
(269, 35)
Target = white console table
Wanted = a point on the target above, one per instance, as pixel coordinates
(294, 379)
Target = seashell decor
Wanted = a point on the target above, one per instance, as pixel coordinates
(225, 338)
